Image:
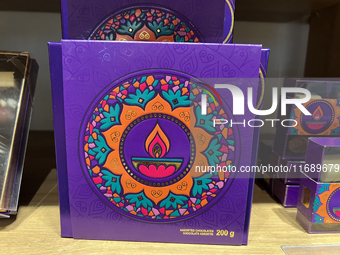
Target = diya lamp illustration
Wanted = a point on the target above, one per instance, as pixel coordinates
(157, 165)
(317, 123)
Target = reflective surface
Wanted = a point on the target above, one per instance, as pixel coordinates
(13, 103)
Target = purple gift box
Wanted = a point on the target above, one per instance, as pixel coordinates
(319, 194)
(129, 126)
(153, 20)
(318, 206)
(291, 142)
(323, 159)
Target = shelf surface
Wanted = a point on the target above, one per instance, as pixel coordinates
(246, 10)
(36, 230)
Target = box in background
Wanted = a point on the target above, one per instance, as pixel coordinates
(210, 21)
(319, 194)
(18, 76)
(291, 142)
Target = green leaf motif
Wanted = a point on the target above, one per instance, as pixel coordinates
(204, 121)
(173, 200)
(160, 29)
(212, 153)
(101, 150)
(111, 118)
(200, 184)
(176, 99)
(112, 181)
(130, 28)
(139, 199)
(140, 99)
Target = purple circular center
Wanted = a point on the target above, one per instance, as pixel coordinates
(176, 155)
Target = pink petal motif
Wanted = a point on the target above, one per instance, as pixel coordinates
(165, 87)
(143, 86)
(175, 89)
(155, 211)
(220, 185)
(182, 211)
(154, 172)
(211, 186)
(162, 210)
(144, 211)
(224, 149)
(129, 208)
(97, 180)
(108, 195)
(193, 200)
(168, 78)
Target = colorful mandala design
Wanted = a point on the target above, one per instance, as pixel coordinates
(142, 140)
(146, 24)
(323, 120)
(327, 204)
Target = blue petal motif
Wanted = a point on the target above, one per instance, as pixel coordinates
(317, 204)
(112, 181)
(111, 117)
(204, 121)
(173, 200)
(140, 99)
(176, 99)
(139, 199)
(318, 219)
(101, 151)
(200, 184)
(212, 153)
(323, 188)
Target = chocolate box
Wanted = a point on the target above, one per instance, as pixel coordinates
(319, 195)
(130, 127)
(287, 194)
(266, 157)
(318, 206)
(293, 172)
(153, 20)
(324, 106)
(262, 85)
(323, 159)
(18, 75)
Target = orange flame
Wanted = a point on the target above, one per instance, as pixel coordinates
(157, 144)
(318, 114)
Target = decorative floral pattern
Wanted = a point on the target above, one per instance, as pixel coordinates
(154, 111)
(326, 205)
(146, 24)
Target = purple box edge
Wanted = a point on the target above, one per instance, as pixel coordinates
(287, 194)
(59, 137)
